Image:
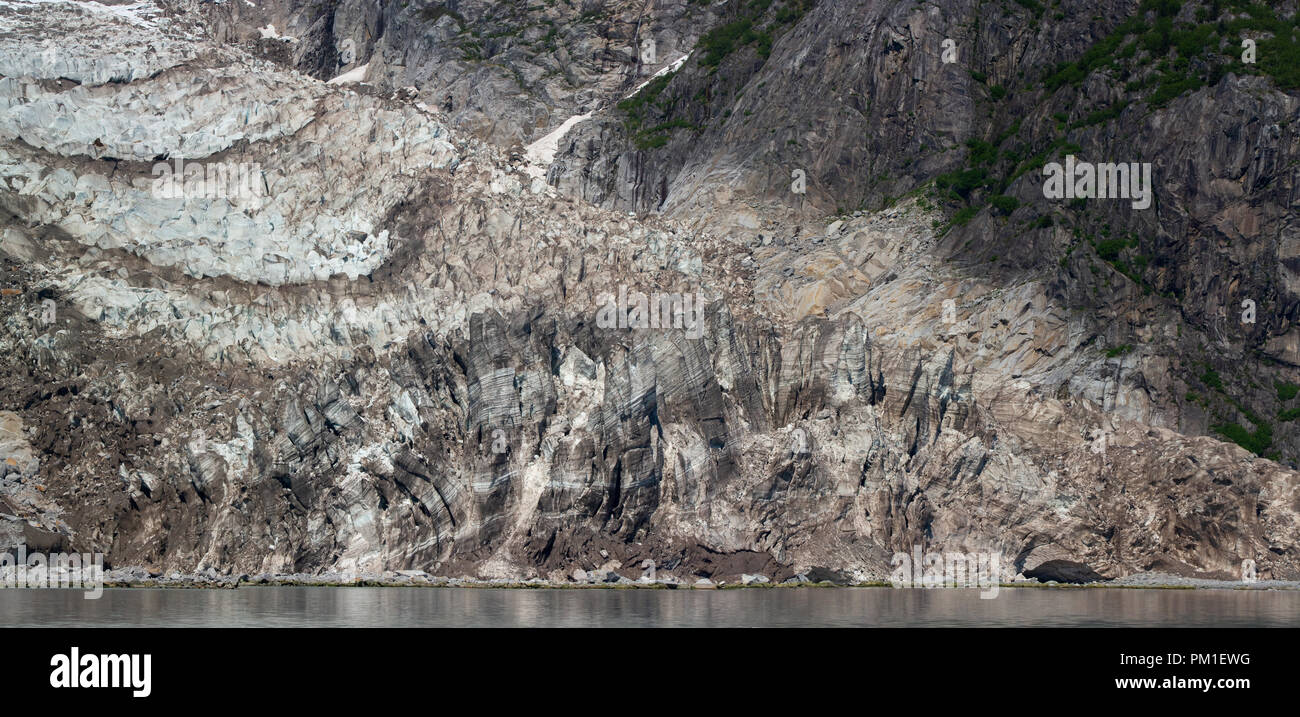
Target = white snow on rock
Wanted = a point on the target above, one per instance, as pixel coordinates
(675, 66)
(269, 33)
(356, 74)
(541, 153)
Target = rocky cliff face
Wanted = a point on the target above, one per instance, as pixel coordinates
(373, 331)
(503, 71)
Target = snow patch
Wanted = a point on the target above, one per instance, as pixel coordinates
(677, 65)
(541, 153)
(356, 74)
(269, 33)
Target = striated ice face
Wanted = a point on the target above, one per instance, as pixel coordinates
(58, 39)
(315, 170)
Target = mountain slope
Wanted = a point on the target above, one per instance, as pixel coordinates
(396, 353)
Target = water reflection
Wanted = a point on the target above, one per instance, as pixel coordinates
(803, 607)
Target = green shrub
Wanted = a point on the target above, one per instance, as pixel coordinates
(1256, 441)
(637, 106)
(963, 182)
(722, 41)
(1004, 204)
(1172, 86)
(1109, 249)
(1163, 8)
(1100, 116)
(965, 215)
(1033, 5)
(981, 152)
(1211, 378)
(718, 43)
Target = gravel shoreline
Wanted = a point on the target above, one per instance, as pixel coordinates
(140, 578)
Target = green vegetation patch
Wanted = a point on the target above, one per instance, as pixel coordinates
(1185, 56)
(755, 25)
(1256, 441)
(636, 105)
(751, 28)
(1211, 378)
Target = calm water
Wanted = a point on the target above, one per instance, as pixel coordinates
(806, 607)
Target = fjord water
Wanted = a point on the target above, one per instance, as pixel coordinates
(794, 607)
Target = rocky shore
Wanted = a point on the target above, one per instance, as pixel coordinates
(141, 578)
(419, 345)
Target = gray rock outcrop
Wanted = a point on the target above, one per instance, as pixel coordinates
(396, 356)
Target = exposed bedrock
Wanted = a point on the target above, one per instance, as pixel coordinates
(404, 349)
